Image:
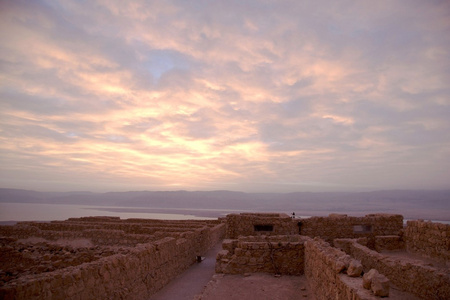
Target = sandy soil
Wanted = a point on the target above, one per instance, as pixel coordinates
(256, 287)
(414, 258)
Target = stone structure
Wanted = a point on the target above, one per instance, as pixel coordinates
(328, 228)
(99, 257)
(343, 226)
(428, 239)
(247, 224)
(418, 278)
(325, 268)
(388, 243)
(263, 254)
(277, 244)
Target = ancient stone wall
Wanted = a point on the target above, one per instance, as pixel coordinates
(324, 267)
(389, 243)
(418, 278)
(100, 271)
(428, 239)
(246, 224)
(266, 254)
(342, 226)
(19, 231)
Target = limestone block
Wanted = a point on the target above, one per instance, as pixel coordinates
(355, 268)
(339, 266)
(368, 277)
(346, 259)
(380, 285)
(222, 254)
(227, 244)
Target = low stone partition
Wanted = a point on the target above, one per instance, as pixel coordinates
(428, 239)
(342, 226)
(103, 272)
(253, 224)
(323, 269)
(415, 277)
(102, 237)
(133, 226)
(265, 254)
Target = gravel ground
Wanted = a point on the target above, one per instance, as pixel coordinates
(256, 286)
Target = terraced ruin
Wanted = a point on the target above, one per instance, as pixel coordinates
(99, 257)
(339, 257)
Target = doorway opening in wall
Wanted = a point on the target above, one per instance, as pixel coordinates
(263, 227)
(299, 224)
(362, 228)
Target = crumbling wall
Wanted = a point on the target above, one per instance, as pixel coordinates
(323, 268)
(265, 254)
(19, 231)
(132, 226)
(137, 273)
(105, 230)
(428, 239)
(342, 226)
(389, 243)
(246, 224)
(422, 280)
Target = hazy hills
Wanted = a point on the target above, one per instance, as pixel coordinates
(411, 203)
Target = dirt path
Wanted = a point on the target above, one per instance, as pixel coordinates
(192, 281)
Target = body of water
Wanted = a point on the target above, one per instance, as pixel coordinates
(50, 212)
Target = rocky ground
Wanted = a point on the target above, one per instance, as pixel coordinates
(268, 287)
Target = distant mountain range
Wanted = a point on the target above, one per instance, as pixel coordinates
(415, 204)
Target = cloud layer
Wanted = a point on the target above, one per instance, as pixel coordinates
(240, 95)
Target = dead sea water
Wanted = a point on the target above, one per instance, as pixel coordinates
(50, 212)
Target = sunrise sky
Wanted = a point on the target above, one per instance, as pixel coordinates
(254, 96)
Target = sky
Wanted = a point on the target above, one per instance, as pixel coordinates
(253, 96)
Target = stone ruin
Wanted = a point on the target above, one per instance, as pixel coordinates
(342, 257)
(99, 257)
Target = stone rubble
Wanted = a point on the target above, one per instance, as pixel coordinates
(355, 268)
(380, 285)
(367, 278)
